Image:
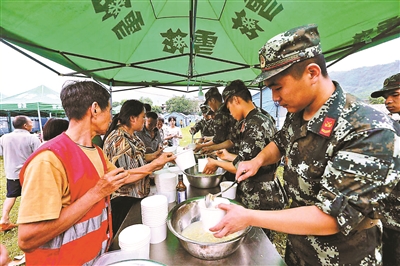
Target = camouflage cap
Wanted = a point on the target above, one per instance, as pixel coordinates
(204, 108)
(391, 83)
(211, 92)
(287, 48)
(232, 89)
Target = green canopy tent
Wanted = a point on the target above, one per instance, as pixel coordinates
(39, 101)
(184, 43)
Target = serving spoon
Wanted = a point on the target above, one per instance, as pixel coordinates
(209, 198)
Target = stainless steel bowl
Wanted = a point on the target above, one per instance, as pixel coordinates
(201, 180)
(188, 212)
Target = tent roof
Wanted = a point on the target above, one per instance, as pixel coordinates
(41, 97)
(184, 42)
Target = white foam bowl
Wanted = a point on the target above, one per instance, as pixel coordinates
(153, 201)
(134, 237)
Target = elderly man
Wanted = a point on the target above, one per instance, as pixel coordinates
(64, 216)
(15, 147)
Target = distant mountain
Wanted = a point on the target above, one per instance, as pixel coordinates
(362, 81)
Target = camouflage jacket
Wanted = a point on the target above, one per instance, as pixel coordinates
(255, 132)
(223, 125)
(206, 127)
(336, 161)
(391, 212)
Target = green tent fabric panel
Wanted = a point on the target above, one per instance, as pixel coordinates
(41, 97)
(144, 42)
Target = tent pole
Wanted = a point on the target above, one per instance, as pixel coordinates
(111, 96)
(40, 120)
(9, 121)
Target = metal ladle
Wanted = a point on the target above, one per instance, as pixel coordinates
(209, 198)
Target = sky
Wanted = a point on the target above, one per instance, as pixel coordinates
(19, 73)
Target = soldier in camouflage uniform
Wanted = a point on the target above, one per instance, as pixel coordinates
(205, 125)
(391, 221)
(262, 191)
(337, 172)
(224, 123)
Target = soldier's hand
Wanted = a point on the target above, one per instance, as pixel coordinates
(210, 167)
(222, 154)
(197, 148)
(234, 220)
(207, 149)
(246, 169)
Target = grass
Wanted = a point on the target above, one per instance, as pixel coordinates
(10, 238)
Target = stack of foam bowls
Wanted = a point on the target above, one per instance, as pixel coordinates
(136, 239)
(154, 215)
(166, 185)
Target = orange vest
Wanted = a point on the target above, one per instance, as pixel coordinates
(90, 236)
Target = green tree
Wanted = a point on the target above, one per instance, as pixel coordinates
(146, 100)
(181, 104)
(156, 109)
(379, 100)
(115, 104)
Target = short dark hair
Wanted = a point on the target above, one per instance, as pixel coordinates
(147, 107)
(20, 121)
(54, 127)
(160, 119)
(78, 96)
(152, 115)
(171, 118)
(297, 69)
(241, 90)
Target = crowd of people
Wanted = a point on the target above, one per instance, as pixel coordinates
(338, 202)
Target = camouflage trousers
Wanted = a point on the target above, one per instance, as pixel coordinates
(361, 248)
(391, 247)
(258, 195)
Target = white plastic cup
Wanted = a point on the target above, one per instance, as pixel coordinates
(230, 193)
(185, 159)
(170, 149)
(201, 163)
(158, 233)
(211, 216)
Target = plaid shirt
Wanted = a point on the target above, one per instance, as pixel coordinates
(127, 151)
